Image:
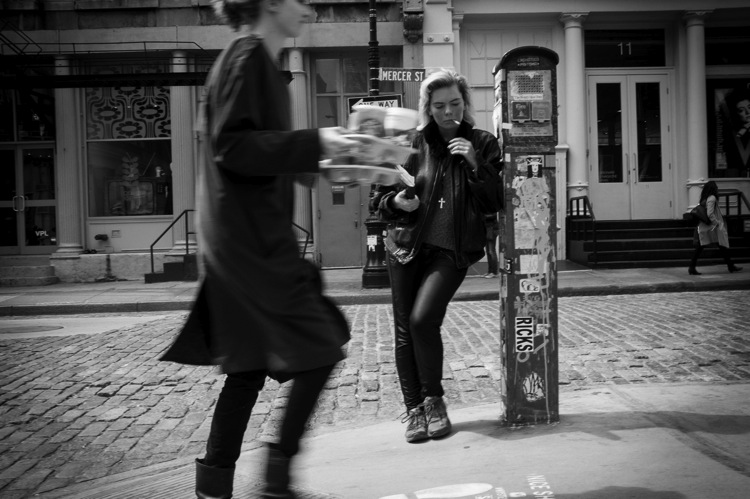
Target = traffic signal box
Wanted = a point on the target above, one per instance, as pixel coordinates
(525, 116)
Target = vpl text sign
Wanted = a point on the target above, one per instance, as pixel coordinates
(375, 100)
(401, 74)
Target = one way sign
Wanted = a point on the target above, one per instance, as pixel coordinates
(375, 100)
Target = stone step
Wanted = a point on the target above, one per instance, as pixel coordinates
(27, 271)
(23, 260)
(28, 281)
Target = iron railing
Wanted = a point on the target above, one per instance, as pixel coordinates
(169, 227)
(307, 238)
(580, 210)
(189, 232)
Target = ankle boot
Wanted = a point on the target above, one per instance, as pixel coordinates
(277, 475)
(692, 271)
(212, 482)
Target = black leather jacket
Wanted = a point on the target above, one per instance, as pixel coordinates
(475, 193)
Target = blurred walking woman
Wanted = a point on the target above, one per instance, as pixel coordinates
(433, 237)
(260, 310)
(713, 233)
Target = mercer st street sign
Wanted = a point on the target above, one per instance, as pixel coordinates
(402, 74)
(375, 100)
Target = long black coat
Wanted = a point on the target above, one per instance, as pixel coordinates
(259, 306)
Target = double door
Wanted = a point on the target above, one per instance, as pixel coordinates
(630, 148)
(28, 218)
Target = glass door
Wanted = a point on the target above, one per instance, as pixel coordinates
(630, 163)
(28, 211)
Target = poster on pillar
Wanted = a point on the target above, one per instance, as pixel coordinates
(729, 127)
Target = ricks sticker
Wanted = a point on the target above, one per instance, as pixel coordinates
(524, 334)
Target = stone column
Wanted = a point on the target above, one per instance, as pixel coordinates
(300, 120)
(70, 233)
(697, 117)
(456, 20)
(575, 104)
(182, 107)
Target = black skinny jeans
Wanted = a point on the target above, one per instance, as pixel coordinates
(421, 291)
(236, 402)
(723, 251)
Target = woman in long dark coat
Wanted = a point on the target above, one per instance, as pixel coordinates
(260, 309)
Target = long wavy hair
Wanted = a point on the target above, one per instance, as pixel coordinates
(443, 78)
(236, 13)
(710, 188)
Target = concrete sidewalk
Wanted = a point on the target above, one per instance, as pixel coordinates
(676, 441)
(344, 286)
(650, 441)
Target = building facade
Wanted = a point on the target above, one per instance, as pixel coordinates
(98, 101)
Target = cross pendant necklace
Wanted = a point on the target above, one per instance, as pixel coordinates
(442, 202)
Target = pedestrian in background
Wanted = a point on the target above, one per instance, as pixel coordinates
(260, 310)
(713, 233)
(492, 231)
(434, 237)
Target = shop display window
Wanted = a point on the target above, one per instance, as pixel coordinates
(27, 115)
(728, 45)
(728, 102)
(130, 178)
(339, 76)
(129, 151)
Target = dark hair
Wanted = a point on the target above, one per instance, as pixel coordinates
(709, 189)
(736, 96)
(235, 13)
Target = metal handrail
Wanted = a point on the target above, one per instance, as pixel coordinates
(727, 193)
(586, 213)
(307, 238)
(187, 233)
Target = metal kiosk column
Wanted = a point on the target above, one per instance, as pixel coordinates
(526, 116)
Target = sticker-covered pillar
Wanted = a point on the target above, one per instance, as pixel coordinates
(526, 118)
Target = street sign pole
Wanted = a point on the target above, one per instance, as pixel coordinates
(375, 271)
(373, 54)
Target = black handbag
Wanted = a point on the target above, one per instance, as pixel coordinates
(700, 214)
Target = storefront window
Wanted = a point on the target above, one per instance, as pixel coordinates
(727, 45)
(729, 127)
(340, 76)
(129, 151)
(27, 115)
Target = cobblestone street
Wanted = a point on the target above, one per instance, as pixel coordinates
(81, 407)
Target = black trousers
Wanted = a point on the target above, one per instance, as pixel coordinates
(421, 291)
(236, 402)
(723, 251)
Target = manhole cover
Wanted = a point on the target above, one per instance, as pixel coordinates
(27, 329)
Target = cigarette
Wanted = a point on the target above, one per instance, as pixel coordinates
(456, 122)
